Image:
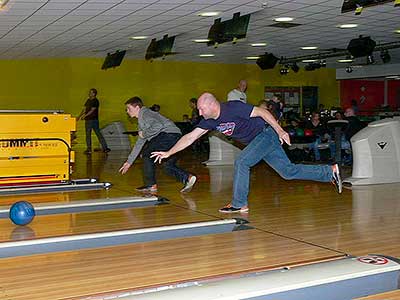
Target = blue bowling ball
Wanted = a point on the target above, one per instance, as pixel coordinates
(22, 213)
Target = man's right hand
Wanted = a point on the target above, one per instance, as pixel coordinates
(125, 167)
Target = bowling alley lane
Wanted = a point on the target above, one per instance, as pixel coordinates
(102, 221)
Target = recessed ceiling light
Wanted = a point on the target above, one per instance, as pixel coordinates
(393, 77)
(345, 26)
(258, 44)
(283, 19)
(141, 37)
(252, 57)
(308, 60)
(309, 48)
(345, 60)
(206, 55)
(209, 14)
(397, 31)
(201, 40)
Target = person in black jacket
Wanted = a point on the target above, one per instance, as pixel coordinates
(352, 128)
(319, 131)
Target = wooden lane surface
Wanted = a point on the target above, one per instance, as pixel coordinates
(113, 192)
(392, 295)
(358, 222)
(87, 272)
(101, 221)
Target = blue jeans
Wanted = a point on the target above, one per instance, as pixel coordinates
(162, 142)
(266, 146)
(94, 125)
(314, 147)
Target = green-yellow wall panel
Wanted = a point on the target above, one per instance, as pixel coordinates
(64, 84)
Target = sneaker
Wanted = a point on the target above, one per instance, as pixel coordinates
(148, 188)
(106, 150)
(228, 209)
(189, 184)
(336, 180)
(87, 151)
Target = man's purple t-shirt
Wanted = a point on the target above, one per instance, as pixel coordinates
(234, 121)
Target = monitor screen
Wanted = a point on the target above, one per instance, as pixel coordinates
(229, 30)
(160, 48)
(351, 5)
(237, 27)
(113, 60)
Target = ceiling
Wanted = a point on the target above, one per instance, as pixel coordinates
(91, 28)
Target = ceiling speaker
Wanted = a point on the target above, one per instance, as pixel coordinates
(267, 61)
(362, 46)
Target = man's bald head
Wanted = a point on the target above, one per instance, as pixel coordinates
(208, 106)
(242, 85)
(207, 98)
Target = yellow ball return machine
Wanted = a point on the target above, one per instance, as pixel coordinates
(36, 155)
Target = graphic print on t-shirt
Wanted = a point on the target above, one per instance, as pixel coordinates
(226, 128)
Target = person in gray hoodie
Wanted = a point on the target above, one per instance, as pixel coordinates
(155, 132)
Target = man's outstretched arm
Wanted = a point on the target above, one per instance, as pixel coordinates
(181, 144)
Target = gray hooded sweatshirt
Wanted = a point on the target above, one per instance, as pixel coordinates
(151, 124)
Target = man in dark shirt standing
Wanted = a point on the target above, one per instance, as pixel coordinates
(354, 123)
(276, 107)
(91, 116)
(260, 132)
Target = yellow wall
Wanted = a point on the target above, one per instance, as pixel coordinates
(64, 84)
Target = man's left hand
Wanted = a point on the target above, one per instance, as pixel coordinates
(284, 137)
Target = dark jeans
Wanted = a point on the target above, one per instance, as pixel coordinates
(94, 124)
(162, 142)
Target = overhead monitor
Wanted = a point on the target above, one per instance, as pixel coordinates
(113, 60)
(229, 30)
(352, 5)
(160, 48)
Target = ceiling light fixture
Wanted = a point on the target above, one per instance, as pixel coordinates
(308, 60)
(397, 31)
(252, 57)
(309, 48)
(206, 55)
(349, 69)
(283, 19)
(201, 40)
(370, 60)
(209, 14)
(393, 77)
(385, 56)
(141, 37)
(258, 44)
(396, 3)
(345, 60)
(284, 71)
(347, 26)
